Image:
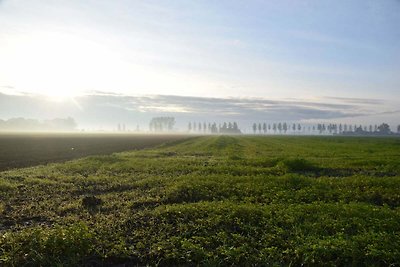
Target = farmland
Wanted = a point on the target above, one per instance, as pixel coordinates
(30, 149)
(210, 200)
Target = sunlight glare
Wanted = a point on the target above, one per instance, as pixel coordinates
(61, 66)
(58, 65)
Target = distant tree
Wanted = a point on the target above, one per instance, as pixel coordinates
(370, 128)
(264, 127)
(280, 127)
(376, 128)
(340, 128)
(158, 124)
(284, 127)
(209, 127)
(230, 128)
(235, 126)
(204, 127)
(294, 127)
(299, 127)
(359, 130)
(170, 123)
(194, 126)
(274, 127)
(269, 127)
(350, 128)
(223, 128)
(214, 128)
(384, 128)
(345, 128)
(190, 127)
(254, 128)
(259, 128)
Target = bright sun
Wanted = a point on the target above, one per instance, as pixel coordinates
(56, 65)
(63, 65)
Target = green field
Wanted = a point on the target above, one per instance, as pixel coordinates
(212, 200)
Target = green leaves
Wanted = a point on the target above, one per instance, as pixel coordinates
(68, 246)
(241, 234)
(238, 201)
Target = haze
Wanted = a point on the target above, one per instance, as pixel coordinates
(104, 62)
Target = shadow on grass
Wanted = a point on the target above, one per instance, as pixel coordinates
(298, 165)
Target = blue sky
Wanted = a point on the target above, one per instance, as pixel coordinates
(317, 51)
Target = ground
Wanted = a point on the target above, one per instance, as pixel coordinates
(211, 200)
(29, 149)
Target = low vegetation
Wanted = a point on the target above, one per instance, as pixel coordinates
(214, 201)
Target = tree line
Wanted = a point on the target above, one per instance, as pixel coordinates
(213, 128)
(321, 128)
(162, 124)
(166, 124)
(275, 127)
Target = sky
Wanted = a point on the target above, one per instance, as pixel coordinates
(298, 60)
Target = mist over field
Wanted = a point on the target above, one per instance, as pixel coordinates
(104, 111)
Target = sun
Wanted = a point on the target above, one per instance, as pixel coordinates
(58, 66)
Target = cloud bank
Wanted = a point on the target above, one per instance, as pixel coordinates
(102, 109)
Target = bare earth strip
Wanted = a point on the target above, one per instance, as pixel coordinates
(30, 149)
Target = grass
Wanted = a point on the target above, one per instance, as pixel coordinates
(214, 201)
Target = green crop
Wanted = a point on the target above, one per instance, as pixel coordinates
(214, 201)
